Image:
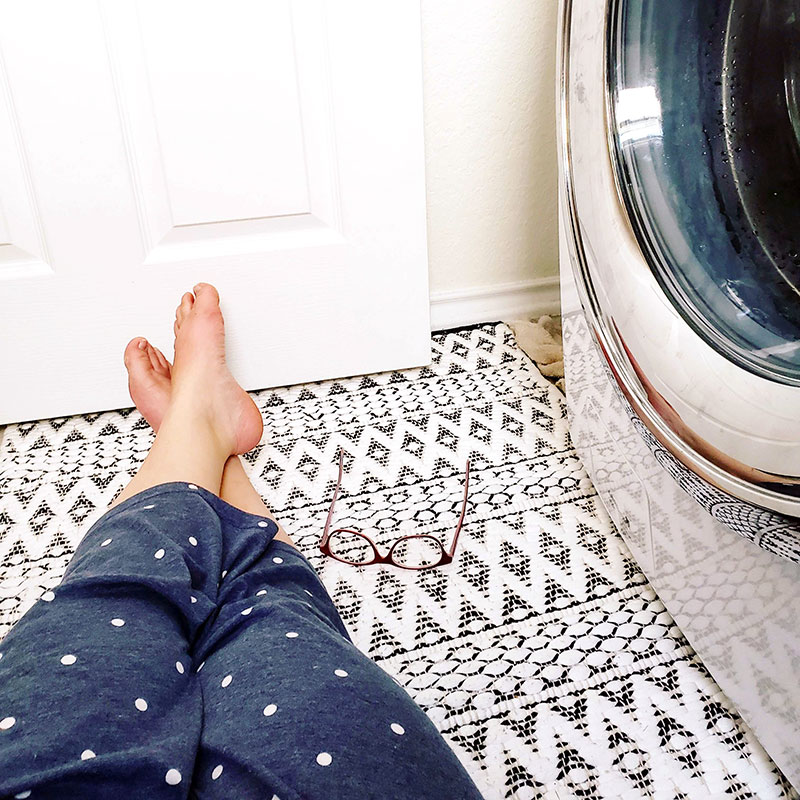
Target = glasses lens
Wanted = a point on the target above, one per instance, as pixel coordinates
(351, 547)
(417, 551)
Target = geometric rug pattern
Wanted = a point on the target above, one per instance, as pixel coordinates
(541, 653)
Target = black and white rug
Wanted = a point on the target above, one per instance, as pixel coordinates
(541, 653)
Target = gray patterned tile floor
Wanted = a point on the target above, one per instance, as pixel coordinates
(542, 653)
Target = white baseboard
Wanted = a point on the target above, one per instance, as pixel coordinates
(505, 302)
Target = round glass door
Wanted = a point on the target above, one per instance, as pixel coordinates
(705, 126)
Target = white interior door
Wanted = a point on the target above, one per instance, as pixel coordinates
(273, 148)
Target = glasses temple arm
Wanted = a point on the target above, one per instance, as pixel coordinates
(463, 513)
(325, 533)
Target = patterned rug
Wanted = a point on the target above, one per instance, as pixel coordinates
(541, 653)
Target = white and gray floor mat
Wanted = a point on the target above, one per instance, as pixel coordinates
(542, 653)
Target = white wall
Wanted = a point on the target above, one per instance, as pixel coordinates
(489, 104)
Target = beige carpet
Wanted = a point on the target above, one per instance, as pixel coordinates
(540, 339)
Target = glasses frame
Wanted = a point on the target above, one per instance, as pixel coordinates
(446, 555)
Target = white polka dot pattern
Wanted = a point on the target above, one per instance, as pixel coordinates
(340, 672)
(87, 754)
(117, 622)
(247, 611)
(6, 723)
(268, 710)
(398, 729)
(192, 541)
(292, 635)
(48, 597)
(106, 543)
(261, 592)
(173, 777)
(152, 505)
(141, 704)
(277, 560)
(324, 759)
(216, 772)
(68, 660)
(226, 681)
(192, 486)
(23, 795)
(160, 553)
(263, 524)
(179, 667)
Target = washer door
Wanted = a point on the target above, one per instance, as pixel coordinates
(706, 132)
(681, 159)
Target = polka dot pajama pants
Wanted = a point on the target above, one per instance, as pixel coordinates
(188, 654)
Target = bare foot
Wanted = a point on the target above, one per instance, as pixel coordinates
(149, 379)
(199, 381)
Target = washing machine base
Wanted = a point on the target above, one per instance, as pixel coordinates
(737, 603)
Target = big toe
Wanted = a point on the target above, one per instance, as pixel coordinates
(136, 358)
(207, 296)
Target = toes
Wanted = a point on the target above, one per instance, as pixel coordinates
(186, 304)
(207, 296)
(159, 364)
(152, 356)
(136, 356)
(165, 366)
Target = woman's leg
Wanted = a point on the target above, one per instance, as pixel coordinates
(208, 416)
(292, 708)
(150, 384)
(237, 490)
(97, 694)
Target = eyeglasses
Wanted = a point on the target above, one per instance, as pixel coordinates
(420, 551)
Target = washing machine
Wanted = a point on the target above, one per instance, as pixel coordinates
(679, 204)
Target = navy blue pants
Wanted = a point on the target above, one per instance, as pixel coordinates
(187, 654)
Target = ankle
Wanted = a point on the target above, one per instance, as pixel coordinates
(190, 418)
